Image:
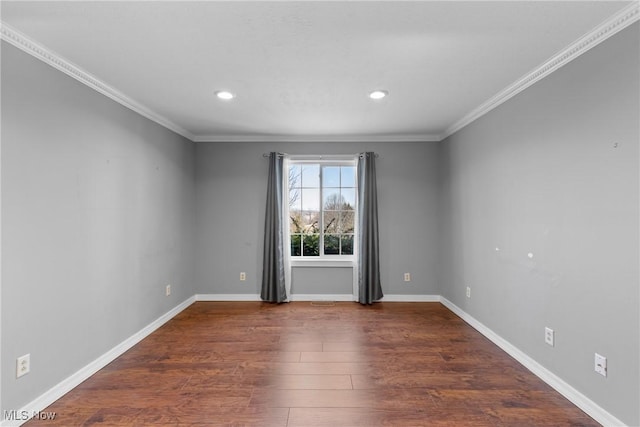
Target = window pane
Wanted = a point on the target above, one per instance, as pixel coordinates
(310, 245)
(349, 198)
(331, 199)
(295, 201)
(331, 176)
(295, 176)
(311, 199)
(348, 174)
(331, 244)
(321, 211)
(295, 222)
(347, 221)
(310, 222)
(331, 222)
(310, 176)
(296, 239)
(346, 241)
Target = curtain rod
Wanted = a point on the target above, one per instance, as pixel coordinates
(326, 156)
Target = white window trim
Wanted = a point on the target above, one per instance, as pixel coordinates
(325, 260)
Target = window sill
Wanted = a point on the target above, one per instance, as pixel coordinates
(323, 263)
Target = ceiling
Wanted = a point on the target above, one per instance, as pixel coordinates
(302, 70)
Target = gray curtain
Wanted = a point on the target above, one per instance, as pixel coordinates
(273, 273)
(369, 288)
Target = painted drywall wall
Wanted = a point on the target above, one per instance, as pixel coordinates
(327, 281)
(97, 217)
(554, 172)
(231, 197)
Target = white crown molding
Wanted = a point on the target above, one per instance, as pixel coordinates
(611, 26)
(24, 43)
(318, 138)
(574, 396)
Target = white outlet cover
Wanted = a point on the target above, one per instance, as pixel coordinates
(468, 292)
(23, 365)
(601, 365)
(549, 336)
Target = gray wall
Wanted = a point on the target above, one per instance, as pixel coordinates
(97, 216)
(327, 281)
(99, 207)
(230, 193)
(540, 174)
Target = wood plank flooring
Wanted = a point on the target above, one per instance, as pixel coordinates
(300, 365)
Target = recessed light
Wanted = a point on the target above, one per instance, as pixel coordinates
(378, 94)
(223, 94)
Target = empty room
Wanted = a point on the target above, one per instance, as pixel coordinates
(308, 213)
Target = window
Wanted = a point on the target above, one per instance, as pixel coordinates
(322, 208)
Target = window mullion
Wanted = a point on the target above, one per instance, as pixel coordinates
(321, 219)
(340, 211)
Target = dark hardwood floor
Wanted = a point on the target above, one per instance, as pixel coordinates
(298, 364)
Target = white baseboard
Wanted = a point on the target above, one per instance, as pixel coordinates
(317, 297)
(574, 396)
(227, 297)
(410, 298)
(256, 297)
(66, 385)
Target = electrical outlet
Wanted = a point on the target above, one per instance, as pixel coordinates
(601, 365)
(407, 277)
(167, 290)
(243, 276)
(23, 365)
(549, 336)
(468, 292)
